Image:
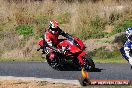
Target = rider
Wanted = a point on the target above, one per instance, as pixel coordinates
(128, 46)
(52, 34)
(51, 40)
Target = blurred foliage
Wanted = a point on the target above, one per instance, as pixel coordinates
(40, 22)
(114, 17)
(99, 35)
(94, 29)
(62, 18)
(24, 30)
(103, 53)
(98, 24)
(79, 17)
(122, 26)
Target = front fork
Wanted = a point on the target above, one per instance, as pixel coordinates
(80, 58)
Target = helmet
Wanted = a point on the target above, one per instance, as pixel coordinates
(129, 34)
(53, 26)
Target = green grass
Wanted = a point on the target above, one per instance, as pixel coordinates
(39, 59)
(83, 20)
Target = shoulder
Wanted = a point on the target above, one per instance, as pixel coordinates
(47, 35)
(47, 32)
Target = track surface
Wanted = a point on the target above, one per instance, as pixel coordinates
(43, 70)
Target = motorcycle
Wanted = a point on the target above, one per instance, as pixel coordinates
(74, 54)
(129, 59)
(123, 53)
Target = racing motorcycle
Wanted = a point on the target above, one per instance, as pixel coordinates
(73, 54)
(125, 57)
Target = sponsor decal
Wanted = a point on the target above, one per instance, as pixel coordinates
(85, 80)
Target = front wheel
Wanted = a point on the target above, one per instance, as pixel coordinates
(89, 64)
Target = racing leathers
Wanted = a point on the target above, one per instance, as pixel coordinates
(51, 40)
(128, 51)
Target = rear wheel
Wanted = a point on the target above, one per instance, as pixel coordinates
(54, 63)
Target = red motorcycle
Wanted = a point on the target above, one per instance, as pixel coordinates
(74, 54)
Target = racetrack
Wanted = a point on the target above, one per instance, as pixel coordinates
(43, 70)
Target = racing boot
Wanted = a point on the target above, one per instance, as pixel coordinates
(130, 61)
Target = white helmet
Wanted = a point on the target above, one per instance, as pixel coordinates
(53, 26)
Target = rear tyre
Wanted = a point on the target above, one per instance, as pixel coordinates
(54, 63)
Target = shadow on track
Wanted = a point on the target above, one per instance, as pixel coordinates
(75, 68)
(95, 70)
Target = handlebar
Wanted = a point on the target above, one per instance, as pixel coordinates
(69, 37)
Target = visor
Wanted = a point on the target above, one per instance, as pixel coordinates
(54, 29)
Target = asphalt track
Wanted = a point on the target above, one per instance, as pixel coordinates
(43, 70)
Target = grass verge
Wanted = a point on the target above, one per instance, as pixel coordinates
(96, 60)
(22, 59)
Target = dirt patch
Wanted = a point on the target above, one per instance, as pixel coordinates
(110, 43)
(13, 54)
(92, 44)
(29, 50)
(34, 84)
(108, 29)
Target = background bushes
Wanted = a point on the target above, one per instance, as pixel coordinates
(24, 30)
(86, 19)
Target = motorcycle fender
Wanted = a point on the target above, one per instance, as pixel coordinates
(80, 57)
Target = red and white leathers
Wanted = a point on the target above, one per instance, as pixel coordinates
(51, 40)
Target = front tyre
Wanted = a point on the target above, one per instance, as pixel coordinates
(89, 64)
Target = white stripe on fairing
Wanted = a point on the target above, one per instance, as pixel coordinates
(50, 44)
